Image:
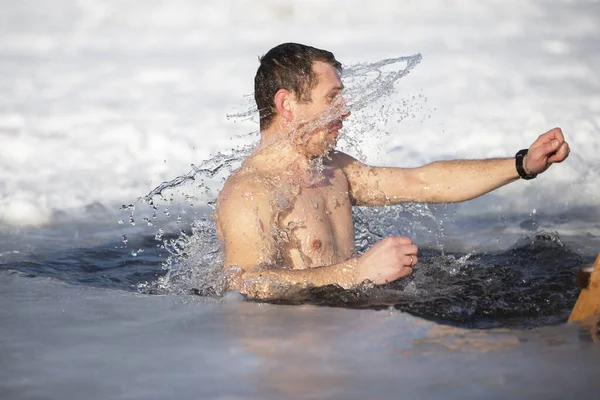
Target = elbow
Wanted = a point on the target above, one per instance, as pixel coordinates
(371, 197)
(251, 283)
(233, 276)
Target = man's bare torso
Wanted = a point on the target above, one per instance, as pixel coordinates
(311, 223)
(323, 233)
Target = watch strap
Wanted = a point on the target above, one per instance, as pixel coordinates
(519, 164)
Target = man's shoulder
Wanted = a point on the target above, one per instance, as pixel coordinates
(242, 188)
(343, 161)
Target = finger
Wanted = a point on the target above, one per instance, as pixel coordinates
(547, 147)
(552, 134)
(549, 137)
(561, 154)
(403, 240)
(410, 261)
(410, 249)
(557, 134)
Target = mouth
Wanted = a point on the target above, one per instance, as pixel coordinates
(335, 128)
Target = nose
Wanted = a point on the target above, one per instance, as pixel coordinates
(343, 108)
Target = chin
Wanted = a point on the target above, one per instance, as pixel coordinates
(328, 148)
(320, 152)
(322, 147)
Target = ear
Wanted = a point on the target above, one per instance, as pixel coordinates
(283, 103)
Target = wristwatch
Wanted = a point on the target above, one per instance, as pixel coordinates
(519, 164)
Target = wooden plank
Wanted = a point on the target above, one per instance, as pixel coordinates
(588, 303)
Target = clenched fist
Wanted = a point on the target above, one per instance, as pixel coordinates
(548, 149)
(388, 260)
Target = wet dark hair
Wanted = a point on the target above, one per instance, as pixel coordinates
(287, 66)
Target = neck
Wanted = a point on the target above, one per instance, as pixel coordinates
(277, 130)
(281, 153)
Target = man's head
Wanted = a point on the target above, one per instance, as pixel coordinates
(292, 70)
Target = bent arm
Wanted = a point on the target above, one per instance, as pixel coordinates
(246, 220)
(438, 182)
(266, 283)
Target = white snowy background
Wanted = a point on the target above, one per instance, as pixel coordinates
(102, 100)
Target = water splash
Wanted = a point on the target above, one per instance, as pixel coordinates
(194, 262)
(365, 83)
(414, 220)
(206, 170)
(194, 266)
(528, 285)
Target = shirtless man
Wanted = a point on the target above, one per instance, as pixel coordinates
(285, 218)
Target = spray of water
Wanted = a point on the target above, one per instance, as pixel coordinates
(527, 285)
(195, 261)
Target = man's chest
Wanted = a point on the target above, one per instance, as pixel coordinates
(319, 225)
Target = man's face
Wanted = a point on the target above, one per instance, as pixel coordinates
(317, 123)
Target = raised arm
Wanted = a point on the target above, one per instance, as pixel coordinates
(447, 181)
(244, 220)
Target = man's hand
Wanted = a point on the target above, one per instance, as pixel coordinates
(388, 260)
(548, 149)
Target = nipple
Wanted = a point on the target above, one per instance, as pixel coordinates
(316, 244)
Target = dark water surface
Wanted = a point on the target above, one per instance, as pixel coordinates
(529, 283)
